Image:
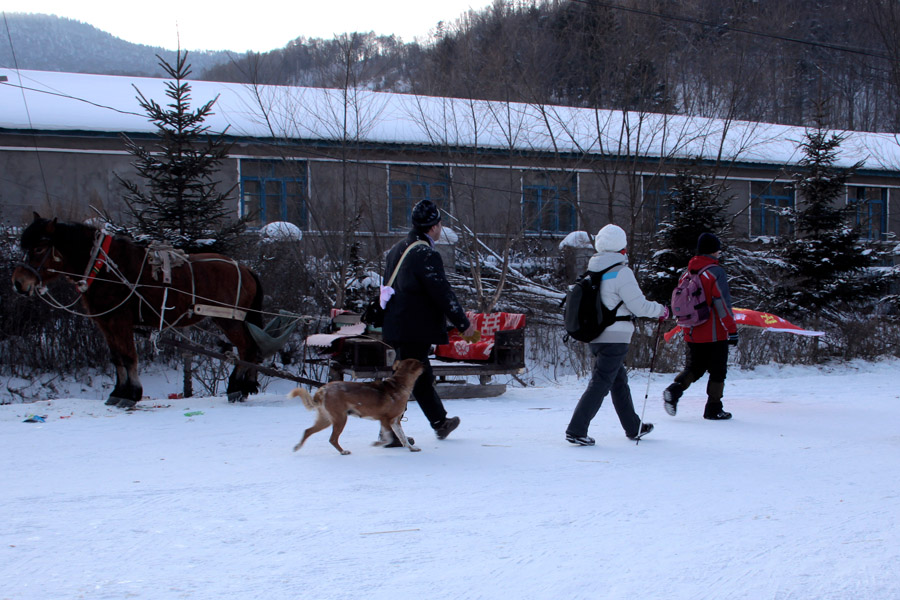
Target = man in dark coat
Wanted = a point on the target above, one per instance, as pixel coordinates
(416, 315)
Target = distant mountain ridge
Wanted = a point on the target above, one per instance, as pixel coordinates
(51, 43)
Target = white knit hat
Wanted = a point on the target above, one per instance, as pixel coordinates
(610, 239)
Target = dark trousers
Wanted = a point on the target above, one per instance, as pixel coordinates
(608, 376)
(423, 390)
(703, 357)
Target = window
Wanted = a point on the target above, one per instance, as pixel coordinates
(869, 214)
(273, 190)
(657, 198)
(548, 203)
(410, 184)
(770, 208)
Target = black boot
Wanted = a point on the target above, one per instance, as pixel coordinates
(645, 429)
(714, 411)
(444, 429)
(670, 398)
(395, 443)
(719, 416)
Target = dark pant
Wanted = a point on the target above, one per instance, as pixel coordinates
(423, 390)
(703, 357)
(607, 377)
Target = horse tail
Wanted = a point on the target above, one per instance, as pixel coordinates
(305, 396)
(255, 317)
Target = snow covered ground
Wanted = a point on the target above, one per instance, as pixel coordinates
(797, 497)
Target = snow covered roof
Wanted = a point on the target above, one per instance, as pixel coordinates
(51, 101)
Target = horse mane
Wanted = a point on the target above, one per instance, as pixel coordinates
(64, 234)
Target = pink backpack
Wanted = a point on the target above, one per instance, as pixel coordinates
(689, 305)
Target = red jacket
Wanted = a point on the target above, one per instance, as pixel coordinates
(715, 287)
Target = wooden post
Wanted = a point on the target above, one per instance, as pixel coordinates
(188, 362)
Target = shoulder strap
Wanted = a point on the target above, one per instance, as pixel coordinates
(595, 274)
(702, 269)
(400, 262)
(596, 277)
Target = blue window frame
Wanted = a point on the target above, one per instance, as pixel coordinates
(548, 208)
(869, 214)
(658, 197)
(771, 205)
(273, 191)
(406, 190)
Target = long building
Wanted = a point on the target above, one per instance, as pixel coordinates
(353, 160)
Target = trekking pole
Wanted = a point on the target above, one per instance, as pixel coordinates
(649, 376)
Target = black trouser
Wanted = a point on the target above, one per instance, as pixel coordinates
(423, 390)
(703, 357)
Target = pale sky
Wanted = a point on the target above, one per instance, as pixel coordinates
(257, 25)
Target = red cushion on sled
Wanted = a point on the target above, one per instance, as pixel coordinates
(488, 325)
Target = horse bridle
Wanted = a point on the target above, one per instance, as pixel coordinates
(98, 258)
(50, 250)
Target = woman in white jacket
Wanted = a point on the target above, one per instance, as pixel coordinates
(610, 347)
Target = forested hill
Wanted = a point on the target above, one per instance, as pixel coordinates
(50, 43)
(797, 62)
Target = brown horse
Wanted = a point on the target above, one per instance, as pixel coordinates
(124, 285)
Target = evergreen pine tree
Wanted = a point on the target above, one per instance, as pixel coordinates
(697, 205)
(825, 260)
(179, 202)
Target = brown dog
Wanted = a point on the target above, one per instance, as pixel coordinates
(383, 401)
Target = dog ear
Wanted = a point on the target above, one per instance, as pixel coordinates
(396, 365)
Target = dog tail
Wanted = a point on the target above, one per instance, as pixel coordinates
(305, 396)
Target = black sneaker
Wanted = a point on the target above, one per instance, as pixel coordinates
(581, 440)
(719, 416)
(670, 401)
(395, 443)
(444, 429)
(645, 429)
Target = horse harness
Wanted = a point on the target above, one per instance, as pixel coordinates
(162, 259)
(99, 256)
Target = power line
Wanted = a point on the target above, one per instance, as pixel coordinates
(27, 111)
(724, 27)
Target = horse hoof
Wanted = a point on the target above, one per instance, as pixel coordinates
(113, 401)
(124, 403)
(236, 397)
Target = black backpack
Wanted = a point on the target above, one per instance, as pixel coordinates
(580, 314)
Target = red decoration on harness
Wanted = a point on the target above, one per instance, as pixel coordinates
(98, 264)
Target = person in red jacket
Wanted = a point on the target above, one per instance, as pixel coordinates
(707, 343)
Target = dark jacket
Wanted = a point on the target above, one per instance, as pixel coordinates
(715, 287)
(423, 300)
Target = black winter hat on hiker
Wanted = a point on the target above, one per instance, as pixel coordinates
(425, 215)
(708, 243)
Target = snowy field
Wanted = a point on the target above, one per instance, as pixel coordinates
(797, 497)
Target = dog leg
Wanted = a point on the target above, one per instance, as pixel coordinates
(340, 420)
(398, 431)
(384, 436)
(321, 423)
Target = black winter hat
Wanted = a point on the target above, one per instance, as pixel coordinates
(708, 243)
(425, 215)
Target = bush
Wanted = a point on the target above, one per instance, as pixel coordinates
(36, 339)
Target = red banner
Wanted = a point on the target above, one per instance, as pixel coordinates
(752, 318)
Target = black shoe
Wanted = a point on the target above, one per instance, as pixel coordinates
(645, 429)
(719, 416)
(670, 401)
(444, 429)
(581, 440)
(395, 443)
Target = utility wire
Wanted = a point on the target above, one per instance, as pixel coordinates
(725, 27)
(27, 113)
